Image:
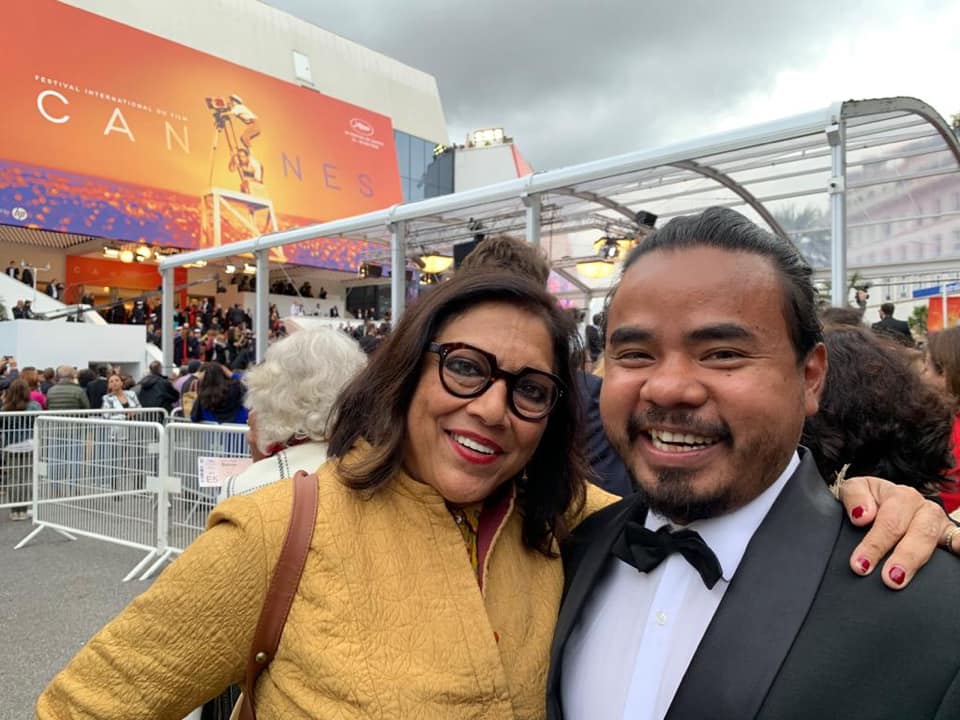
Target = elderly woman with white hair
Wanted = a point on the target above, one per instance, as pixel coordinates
(289, 396)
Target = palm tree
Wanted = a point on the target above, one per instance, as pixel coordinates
(801, 225)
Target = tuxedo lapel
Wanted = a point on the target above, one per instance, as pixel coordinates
(765, 605)
(584, 558)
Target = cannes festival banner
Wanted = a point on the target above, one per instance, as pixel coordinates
(112, 132)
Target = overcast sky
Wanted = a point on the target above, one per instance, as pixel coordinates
(577, 81)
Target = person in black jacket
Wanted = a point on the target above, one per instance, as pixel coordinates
(609, 471)
(96, 389)
(595, 338)
(156, 391)
(186, 347)
(891, 327)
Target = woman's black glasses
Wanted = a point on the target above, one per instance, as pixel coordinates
(466, 372)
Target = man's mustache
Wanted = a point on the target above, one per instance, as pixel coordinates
(685, 422)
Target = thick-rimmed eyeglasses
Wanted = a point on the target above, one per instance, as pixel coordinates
(467, 371)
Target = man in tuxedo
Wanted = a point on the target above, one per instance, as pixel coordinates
(722, 589)
(13, 271)
(890, 326)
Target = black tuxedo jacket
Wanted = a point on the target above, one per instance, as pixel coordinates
(892, 326)
(797, 634)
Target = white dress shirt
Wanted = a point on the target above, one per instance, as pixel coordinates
(638, 631)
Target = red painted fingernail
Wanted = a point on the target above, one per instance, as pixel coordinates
(857, 512)
(897, 574)
(864, 564)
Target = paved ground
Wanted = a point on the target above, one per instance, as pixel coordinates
(54, 595)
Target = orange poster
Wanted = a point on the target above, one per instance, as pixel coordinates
(113, 132)
(935, 313)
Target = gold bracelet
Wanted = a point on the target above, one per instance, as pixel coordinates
(948, 537)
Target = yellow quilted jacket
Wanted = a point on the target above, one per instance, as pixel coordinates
(388, 622)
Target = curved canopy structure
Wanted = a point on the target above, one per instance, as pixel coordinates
(851, 180)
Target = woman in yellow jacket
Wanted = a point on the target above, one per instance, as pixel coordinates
(432, 583)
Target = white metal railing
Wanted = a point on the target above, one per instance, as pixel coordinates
(16, 448)
(100, 479)
(127, 482)
(188, 501)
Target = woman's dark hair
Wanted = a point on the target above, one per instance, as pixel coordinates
(374, 405)
(214, 389)
(728, 230)
(878, 415)
(16, 396)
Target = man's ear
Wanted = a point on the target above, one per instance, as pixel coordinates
(814, 378)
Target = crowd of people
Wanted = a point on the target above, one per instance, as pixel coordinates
(464, 562)
(109, 388)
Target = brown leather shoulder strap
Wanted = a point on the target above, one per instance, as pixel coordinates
(283, 586)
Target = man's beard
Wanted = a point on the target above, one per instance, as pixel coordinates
(673, 497)
(672, 494)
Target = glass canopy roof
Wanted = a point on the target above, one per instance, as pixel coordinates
(887, 189)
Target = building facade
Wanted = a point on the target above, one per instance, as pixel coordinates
(138, 125)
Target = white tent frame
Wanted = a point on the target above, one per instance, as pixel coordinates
(604, 192)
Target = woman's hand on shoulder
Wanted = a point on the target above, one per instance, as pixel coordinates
(901, 522)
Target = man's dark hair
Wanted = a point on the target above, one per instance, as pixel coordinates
(373, 407)
(877, 414)
(509, 254)
(728, 230)
(598, 319)
(85, 376)
(851, 317)
(887, 309)
(156, 368)
(102, 370)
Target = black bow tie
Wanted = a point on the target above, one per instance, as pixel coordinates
(645, 550)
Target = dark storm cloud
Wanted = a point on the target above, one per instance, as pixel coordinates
(574, 81)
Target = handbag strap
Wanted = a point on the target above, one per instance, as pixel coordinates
(283, 586)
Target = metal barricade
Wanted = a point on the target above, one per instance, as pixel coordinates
(16, 449)
(155, 415)
(16, 461)
(100, 479)
(188, 502)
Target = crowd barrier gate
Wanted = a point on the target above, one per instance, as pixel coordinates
(101, 479)
(187, 503)
(128, 482)
(17, 448)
